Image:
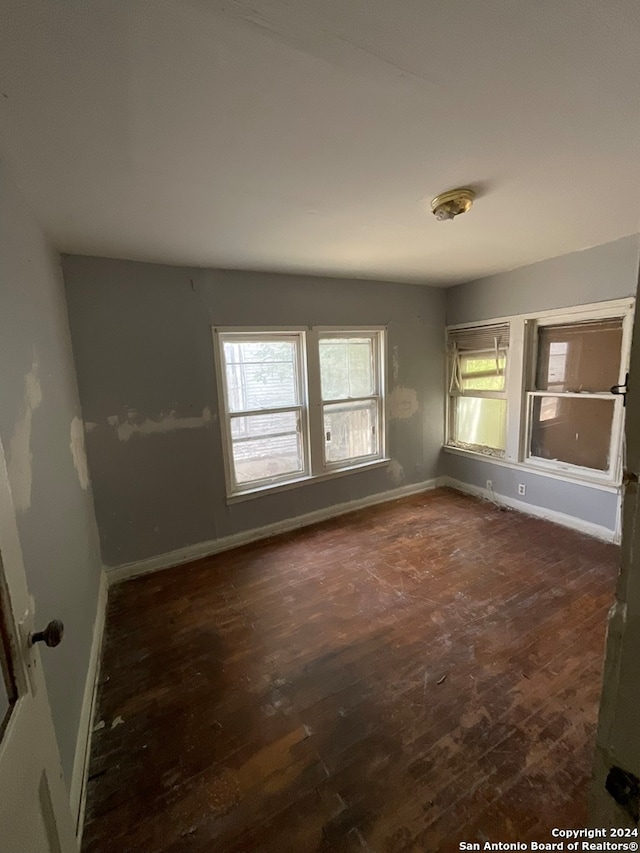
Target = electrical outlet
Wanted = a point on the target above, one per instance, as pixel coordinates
(490, 484)
(522, 489)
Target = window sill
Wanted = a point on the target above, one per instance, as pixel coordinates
(538, 470)
(263, 491)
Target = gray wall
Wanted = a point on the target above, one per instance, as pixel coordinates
(39, 420)
(604, 272)
(588, 504)
(144, 355)
(594, 275)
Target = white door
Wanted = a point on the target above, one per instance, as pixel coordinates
(616, 792)
(35, 816)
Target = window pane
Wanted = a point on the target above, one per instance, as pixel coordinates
(266, 446)
(482, 371)
(579, 357)
(261, 374)
(347, 368)
(480, 422)
(577, 432)
(350, 430)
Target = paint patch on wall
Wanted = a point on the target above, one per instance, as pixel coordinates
(395, 472)
(89, 426)
(20, 458)
(78, 452)
(403, 403)
(130, 426)
(395, 365)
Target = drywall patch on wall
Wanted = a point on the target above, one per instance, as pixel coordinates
(170, 422)
(89, 426)
(395, 365)
(20, 456)
(78, 451)
(395, 472)
(403, 403)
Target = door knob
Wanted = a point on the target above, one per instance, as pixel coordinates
(51, 636)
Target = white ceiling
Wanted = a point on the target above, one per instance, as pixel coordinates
(310, 135)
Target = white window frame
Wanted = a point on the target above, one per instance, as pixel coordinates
(296, 336)
(453, 394)
(613, 475)
(519, 384)
(311, 421)
(376, 337)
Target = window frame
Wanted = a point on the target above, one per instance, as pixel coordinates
(377, 340)
(311, 406)
(613, 475)
(453, 394)
(520, 384)
(243, 336)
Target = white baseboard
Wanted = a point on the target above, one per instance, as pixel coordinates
(571, 521)
(216, 546)
(83, 743)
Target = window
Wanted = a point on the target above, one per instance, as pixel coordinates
(351, 398)
(299, 404)
(534, 391)
(477, 393)
(265, 405)
(571, 409)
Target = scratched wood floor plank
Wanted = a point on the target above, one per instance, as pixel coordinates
(401, 678)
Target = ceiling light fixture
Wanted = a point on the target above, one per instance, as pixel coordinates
(453, 202)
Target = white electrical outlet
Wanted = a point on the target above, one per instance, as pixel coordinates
(522, 489)
(490, 484)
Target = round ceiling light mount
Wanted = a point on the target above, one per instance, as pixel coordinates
(452, 203)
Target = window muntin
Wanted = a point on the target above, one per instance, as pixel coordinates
(351, 386)
(285, 421)
(477, 388)
(572, 413)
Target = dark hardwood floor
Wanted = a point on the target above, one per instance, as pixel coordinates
(406, 677)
